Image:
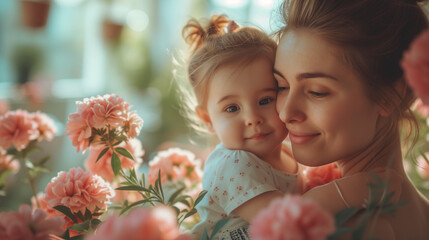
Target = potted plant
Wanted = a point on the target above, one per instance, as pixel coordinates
(35, 13)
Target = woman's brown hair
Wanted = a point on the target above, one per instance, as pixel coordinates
(373, 34)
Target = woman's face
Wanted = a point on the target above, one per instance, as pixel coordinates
(321, 100)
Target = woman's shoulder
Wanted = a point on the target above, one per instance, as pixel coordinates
(357, 190)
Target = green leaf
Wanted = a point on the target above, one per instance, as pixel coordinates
(133, 188)
(78, 237)
(102, 153)
(134, 204)
(66, 211)
(200, 197)
(190, 213)
(205, 235)
(116, 164)
(124, 152)
(218, 226)
(95, 223)
(88, 214)
(80, 216)
(172, 198)
(82, 227)
(344, 215)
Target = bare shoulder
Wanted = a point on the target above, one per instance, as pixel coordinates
(327, 197)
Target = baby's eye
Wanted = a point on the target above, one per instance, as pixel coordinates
(232, 108)
(266, 100)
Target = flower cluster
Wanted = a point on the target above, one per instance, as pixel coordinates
(415, 63)
(100, 118)
(317, 176)
(292, 217)
(157, 223)
(19, 128)
(175, 164)
(102, 166)
(28, 224)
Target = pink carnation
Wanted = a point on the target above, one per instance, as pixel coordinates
(316, 176)
(423, 166)
(78, 128)
(17, 128)
(158, 223)
(29, 225)
(134, 124)
(45, 125)
(78, 190)
(43, 204)
(415, 63)
(103, 167)
(292, 217)
(4, 106)
(109, 110)
(175, 164)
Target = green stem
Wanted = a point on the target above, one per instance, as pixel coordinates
(31, 180)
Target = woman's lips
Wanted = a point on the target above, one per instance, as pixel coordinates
(301, 138)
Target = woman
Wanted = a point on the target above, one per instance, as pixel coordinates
(342, 96)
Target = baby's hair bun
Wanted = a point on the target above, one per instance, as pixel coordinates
(195, 34)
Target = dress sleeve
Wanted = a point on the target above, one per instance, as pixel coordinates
(238, 177)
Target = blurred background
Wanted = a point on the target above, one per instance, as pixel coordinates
(55, 52)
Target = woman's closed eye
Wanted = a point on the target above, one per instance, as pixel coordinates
(318, 94)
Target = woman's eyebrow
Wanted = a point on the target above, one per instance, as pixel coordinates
(275, 71)
(315, 75)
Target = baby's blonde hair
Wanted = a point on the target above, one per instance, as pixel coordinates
(217, 45)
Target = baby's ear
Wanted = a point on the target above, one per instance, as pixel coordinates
(204, 116)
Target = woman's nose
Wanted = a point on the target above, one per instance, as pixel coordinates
(291, 109)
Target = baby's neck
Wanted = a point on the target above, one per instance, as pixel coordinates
(281, 160)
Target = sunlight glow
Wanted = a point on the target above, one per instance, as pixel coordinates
(232, 3)
(137, 20)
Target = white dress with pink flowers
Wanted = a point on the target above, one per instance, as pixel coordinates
(232, 177)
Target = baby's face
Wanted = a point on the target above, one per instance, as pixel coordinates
(241, 107)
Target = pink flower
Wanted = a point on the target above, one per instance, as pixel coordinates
(421, 108)
(7, 163)
(100, 113)
(17, 128)
(78, 190)
(78, 128)
(43, 205)
(423, 166)
(316, 176)
(29, 225)
(134, 124)
(292, 217)
(157, 223)
(415, 63)
(4, 106)
(175, 164)
(109, 110)
(45, 126)
(103, 167)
